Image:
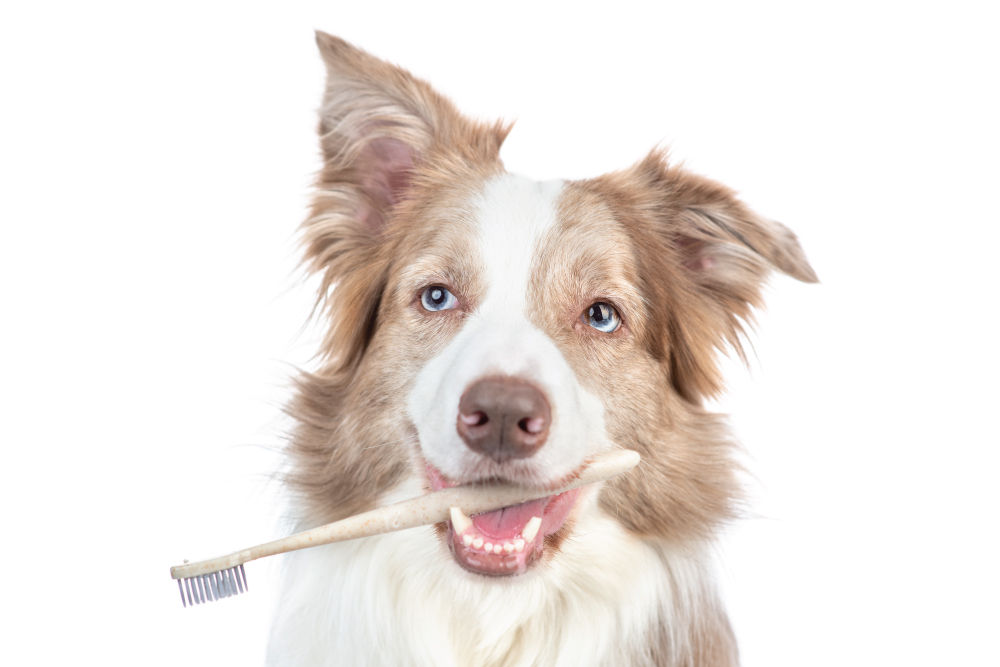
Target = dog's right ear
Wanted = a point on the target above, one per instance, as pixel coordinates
(375, 122)
(378, 124)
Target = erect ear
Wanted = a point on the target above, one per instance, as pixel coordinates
(378, 125)
(376, 122)
(724, 251)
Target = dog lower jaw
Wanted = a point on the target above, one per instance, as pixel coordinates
(509, 541)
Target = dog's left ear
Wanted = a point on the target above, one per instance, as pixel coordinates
(722, 241)
(710, 254)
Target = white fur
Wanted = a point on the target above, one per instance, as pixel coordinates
(512, 216)
(400, 599)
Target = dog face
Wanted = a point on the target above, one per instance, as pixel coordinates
(485, 326)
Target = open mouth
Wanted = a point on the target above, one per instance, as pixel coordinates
(506, 541)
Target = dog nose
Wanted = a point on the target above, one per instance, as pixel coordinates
(503, 418)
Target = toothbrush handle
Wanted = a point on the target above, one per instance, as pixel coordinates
(427, 509)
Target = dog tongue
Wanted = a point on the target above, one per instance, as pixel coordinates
(508, 522)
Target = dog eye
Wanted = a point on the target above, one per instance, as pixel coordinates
(603, 317)
(437, 298)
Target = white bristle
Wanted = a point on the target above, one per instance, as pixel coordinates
(213, 586)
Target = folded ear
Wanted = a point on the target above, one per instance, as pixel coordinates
(721, 240)
(378, 126)
(715, 254)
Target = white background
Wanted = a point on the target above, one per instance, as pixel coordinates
(154, 164)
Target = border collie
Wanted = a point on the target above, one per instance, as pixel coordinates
(485, 326)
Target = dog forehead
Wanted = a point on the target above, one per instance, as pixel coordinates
(513, 216)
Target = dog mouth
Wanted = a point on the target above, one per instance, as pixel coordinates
(507, 541)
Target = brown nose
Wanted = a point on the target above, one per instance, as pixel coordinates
(503, 418)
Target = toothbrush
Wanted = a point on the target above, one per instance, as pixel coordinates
(224, 576)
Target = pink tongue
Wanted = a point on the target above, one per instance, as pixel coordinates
(507, 523)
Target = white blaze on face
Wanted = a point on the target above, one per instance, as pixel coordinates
(513, 217)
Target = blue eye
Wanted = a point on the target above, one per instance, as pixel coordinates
(603, 317)
(437, 298)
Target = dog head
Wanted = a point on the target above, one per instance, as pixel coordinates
(484, 326)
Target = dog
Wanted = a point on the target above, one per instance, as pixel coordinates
(484, 326)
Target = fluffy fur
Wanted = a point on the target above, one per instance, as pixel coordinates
(413, 194)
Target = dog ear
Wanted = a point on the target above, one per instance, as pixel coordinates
(378, 126)
(722, 242)
(719, 254)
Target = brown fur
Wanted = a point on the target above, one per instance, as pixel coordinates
(680, 257)
(694, 273)
(686, 484)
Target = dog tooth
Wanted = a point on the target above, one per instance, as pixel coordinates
(531, 529)
(488, 546)
(459, 520)
(508, 547)
(519, 545)
(497, 548)
(467, 539)
(478, 542)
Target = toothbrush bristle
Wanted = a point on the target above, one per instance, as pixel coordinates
(213, 586)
